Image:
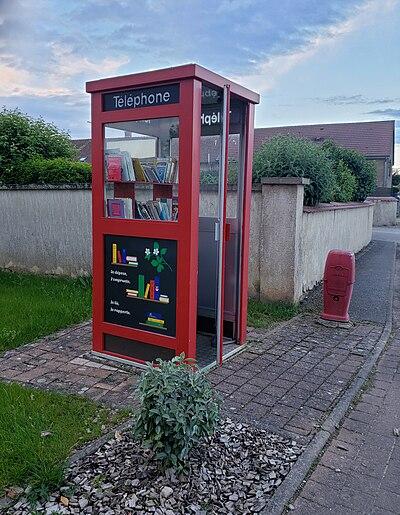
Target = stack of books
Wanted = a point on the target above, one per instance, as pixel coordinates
(155, 320)
(121, 257)
(120, 208)
(120, 166)
(160, 209)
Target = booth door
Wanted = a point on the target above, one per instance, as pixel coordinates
(221, 177)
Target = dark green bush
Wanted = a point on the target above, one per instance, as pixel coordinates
(177, 408)
(288, 156)
(22, 138)
(345, 183)
(53, 171)
(361, 168)
(211, 175)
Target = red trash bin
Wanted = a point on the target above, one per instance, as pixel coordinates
(339, 277)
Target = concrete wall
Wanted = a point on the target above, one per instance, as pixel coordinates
(49, 231)
(331, 227)
(385, 210)
(46, 230)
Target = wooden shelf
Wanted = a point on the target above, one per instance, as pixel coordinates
(148, 300)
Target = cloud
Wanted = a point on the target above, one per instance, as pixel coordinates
(273, 67)
(49, 49)
(342, 100)
(390, 112)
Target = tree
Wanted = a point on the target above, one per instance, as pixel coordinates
(23, 137)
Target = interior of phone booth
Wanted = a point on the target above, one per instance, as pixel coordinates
(153, 147)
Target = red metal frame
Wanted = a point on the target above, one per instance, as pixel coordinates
(185, 229)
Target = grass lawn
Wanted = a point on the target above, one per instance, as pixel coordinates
(39, 430)
(32, 306)
(262, 314)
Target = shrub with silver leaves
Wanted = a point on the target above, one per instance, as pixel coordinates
(178, 407)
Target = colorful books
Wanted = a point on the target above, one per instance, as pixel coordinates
(120, 208)
(119, 257)
(155, 320)
(159, 209)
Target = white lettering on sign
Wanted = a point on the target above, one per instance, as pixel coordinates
(211, 118)
(141, 100)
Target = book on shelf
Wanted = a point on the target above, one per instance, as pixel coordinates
(120, 208)
(124, 157)
(155, 319)
(114, 168)
(119, 257)
(159, 209)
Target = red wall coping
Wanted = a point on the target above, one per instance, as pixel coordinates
(335, 206)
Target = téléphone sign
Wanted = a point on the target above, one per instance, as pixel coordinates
(137, 98)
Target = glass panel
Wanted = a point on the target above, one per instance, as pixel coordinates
(210, 213)
(236, 152)
(141, 169)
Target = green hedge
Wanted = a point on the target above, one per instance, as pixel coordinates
(53, 171)
(364, 171)
(288, 156)
(346, 183)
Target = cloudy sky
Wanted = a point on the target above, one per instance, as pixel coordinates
(313, 61)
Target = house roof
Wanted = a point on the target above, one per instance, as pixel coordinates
(373, 139)
(370, 138)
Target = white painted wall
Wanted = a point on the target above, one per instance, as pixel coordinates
(385, 210)
(324, 229)
(49, 231)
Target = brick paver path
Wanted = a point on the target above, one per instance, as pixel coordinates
(287, 380)
(63, 362)
(360, 470)
(291, 379)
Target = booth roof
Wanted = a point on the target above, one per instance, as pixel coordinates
(176, 73)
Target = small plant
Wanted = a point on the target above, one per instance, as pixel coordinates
(157, 257)
(178, 408)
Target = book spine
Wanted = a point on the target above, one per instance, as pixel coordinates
(157, 287)
(124, 256)
(152, 290)
(146, 293)
(114, 253)
(141, 286)
(119, 257)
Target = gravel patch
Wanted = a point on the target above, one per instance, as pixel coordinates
(235, 471)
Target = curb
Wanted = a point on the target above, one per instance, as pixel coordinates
(293, 482)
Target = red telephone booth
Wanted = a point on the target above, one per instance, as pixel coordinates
(170, 232)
